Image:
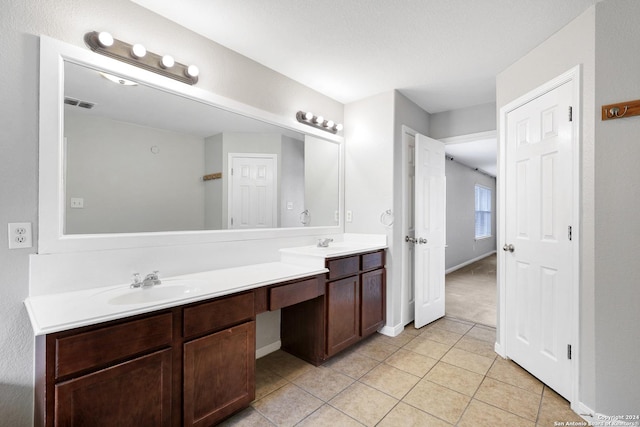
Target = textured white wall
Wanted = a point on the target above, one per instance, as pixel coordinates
(572, 45)
(222, 71)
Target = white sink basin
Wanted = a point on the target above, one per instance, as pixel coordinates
(165, 291)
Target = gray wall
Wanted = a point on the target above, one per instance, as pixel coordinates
(463, 121)
(617, 202)
(462, 246)
(573, 45)
(125, 186)
(222, 71)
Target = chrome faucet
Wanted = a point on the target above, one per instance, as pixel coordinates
(324, 243)
(150, 279)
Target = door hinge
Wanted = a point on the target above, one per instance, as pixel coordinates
(231, 220)
(570, 114)
(569, 351)
(231, 171)
(570, 233)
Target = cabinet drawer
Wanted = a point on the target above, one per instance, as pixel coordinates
(218, 314)
(343, 267)
(286, 295)
(102, 346)
(372, 261)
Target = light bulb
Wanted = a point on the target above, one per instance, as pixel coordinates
(330, 123)
(308, 115)
(192, 71)
(138, 51)
(319, 120)
(339, 127)
(105, 39)
(167, 61)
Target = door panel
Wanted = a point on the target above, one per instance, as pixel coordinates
(430, 193)
(538, 272)
(252, 191)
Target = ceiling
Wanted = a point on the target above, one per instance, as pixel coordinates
(441, 54)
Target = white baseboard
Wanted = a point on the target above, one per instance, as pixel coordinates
(498, 348)
(585, 412)
(267, 349)
(392, 331)
(471, 261)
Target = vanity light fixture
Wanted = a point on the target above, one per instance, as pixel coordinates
(308, 118)
(104, 43)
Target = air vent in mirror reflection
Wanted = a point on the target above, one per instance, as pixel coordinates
(77, 103)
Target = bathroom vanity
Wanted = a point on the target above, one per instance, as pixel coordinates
(191, 360)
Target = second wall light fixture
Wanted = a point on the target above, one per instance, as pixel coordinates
(104, 43)
(308, 118)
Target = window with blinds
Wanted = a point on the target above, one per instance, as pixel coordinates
(483, 212)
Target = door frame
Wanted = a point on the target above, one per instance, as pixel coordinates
(406, 132)
(574, 75)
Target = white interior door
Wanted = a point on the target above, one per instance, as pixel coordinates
(429, 239)
(252, 191)
(538, 248)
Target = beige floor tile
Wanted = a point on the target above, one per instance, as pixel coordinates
(437, 400)
(411, 330)
(554, 409)
(407, 416)
(377, 349)
(510, 398)
(247, 418)
(509, 372)
(287, 406)
(390, 380)
(458, 326)
(328, 416)
(411, 362)
(441, 335)
(363, 403)
(267, 381)
(469, 361)
(323, 383)
(352, 364)
(284, 364)
(455, 378)
(479, 414)
(473, 345)
(482, 333)
(426, 347)
(399, 340)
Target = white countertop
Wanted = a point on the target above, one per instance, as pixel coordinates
(314, 256)
(68, 310)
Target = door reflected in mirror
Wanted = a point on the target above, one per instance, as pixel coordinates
(140, 159)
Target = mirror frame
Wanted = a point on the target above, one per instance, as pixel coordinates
(51, 198)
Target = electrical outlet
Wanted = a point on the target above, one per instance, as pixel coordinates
(349, 216)
(77, 203)
(20, 235)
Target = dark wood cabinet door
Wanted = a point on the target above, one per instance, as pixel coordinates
(373, 295)
(219, 374)
(134, 393)
(343, 314)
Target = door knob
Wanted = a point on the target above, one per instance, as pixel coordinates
(509, 248)
(422, 241)
(409, 239)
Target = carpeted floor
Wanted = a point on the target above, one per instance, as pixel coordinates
(471, 292)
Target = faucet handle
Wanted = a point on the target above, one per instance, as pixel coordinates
(136, 281)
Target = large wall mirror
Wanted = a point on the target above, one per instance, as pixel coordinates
(129, 159)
